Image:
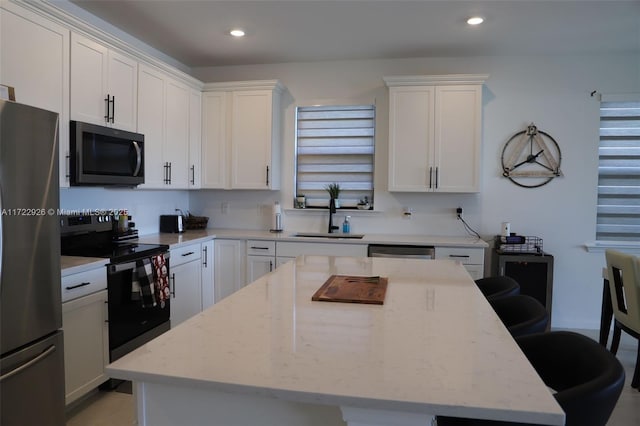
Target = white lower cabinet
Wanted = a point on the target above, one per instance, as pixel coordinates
(207, 277)
(471, 258)
(261, 259)
(229, 267)
(86, 343)
(186, 289)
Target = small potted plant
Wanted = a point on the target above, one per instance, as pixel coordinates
(334, 191)
(301, 201)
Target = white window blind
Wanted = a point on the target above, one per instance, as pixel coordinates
(335, 144)
(619, 172)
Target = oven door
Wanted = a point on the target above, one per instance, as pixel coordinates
(130, 324)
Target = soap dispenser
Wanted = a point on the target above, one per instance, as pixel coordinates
(346, 225)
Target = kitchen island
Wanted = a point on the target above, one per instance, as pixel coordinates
(268, 355)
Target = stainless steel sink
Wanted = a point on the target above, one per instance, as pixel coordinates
(326, 235)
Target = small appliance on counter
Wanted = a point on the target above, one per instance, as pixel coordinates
(172, 223)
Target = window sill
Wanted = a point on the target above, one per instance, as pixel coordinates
(601, 246)
(325, 211)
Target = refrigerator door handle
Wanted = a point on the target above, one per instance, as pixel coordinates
(51, 349)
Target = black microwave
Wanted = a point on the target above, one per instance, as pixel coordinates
(103, 156)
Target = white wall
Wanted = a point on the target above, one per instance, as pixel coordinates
(553, 92)
(144, 206)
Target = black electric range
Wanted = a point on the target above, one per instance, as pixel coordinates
(96, 235)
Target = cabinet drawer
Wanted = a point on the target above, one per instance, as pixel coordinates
(84, 283)
(467, 256)
(184, 254)
(261, 248)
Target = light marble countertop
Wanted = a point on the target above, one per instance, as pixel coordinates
(194, 236)
(435, 346)
(72, 264)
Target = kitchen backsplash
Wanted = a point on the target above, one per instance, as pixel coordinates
(144, 206)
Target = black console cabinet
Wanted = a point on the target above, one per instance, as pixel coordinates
(534, 273)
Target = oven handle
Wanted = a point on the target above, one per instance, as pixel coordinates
(114, 268)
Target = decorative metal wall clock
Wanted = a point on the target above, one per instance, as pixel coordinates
(531, 158)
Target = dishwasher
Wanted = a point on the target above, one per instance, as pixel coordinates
(401, 251)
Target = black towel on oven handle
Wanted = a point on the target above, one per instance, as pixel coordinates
(147, 282)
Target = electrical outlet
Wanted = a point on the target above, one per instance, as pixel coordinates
(225, 207)
(459, 213)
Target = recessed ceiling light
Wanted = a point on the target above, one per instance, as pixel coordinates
(237, 32)
(475, 20)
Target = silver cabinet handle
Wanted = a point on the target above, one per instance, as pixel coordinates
(466, 256)
(173, 277)
(267, 176)
(259, 248)
(107, 101)
(187, 254)
(51, 349)
(193, 175)
(205, 250)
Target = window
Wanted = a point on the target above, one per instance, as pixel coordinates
(335, 144)
(619, 172)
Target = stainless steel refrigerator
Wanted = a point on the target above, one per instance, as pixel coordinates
(32, 361)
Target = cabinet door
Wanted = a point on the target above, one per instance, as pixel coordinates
(258, 266)
(122, 85)
(30, 44)
(187, 292)
(151, 123)
(208, 282)
(229, 267)
(214, 140)
(411, 120)
(458, 137)
(195, 139)
(86, 345)
(176, 144)
(89, 64)
(251, 123)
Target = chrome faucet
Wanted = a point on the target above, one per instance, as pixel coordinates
(332, 210)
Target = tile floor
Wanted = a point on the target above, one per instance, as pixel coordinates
(116, 408)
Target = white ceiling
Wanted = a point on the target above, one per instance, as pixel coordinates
(194, 32)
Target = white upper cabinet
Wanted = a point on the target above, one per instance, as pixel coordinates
(195, 139)
(214, 140)
(30, 44)
(435, 133)
(164, 106)
(241, 135)
(103, 85)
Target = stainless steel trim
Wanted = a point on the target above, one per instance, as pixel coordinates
(138, 158)
(401, 256)
(51, 349)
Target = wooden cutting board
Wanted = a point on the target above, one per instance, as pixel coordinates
(352, 289)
